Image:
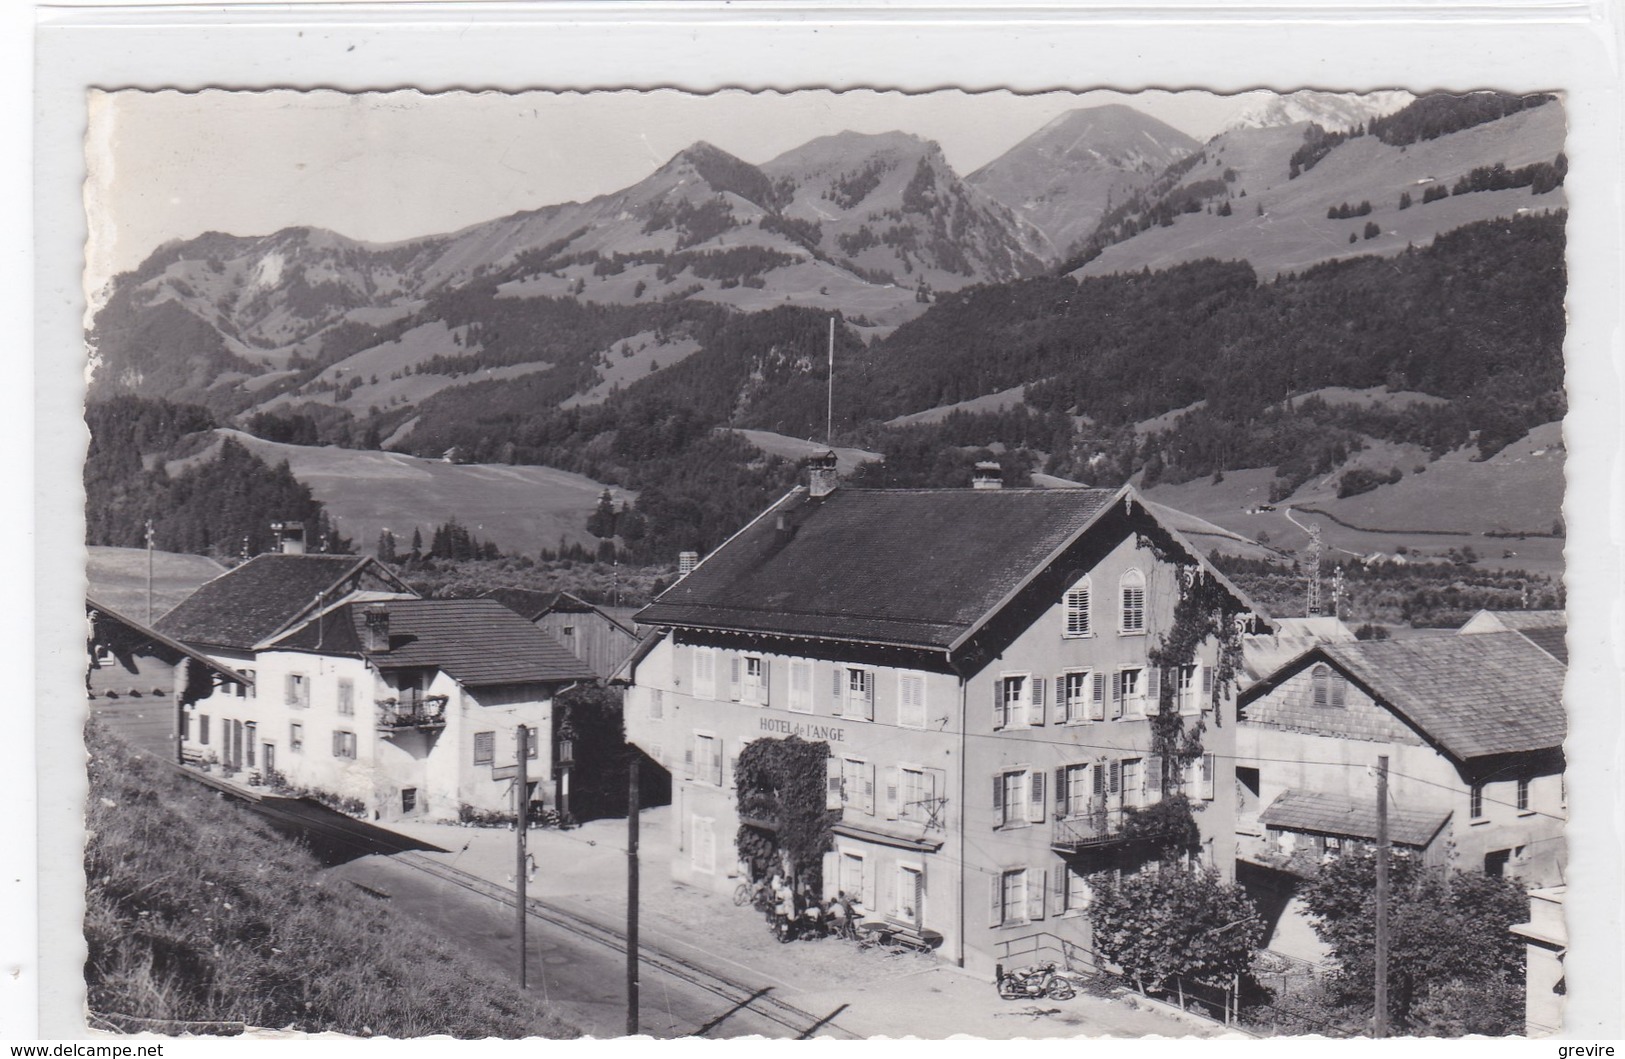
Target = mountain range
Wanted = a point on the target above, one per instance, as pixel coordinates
(708, 285)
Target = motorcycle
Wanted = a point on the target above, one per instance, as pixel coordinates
(783, 927)
(1034, 983)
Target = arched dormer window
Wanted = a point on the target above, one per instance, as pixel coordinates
(1131, 592)
(1330, 689)
(1077, 610)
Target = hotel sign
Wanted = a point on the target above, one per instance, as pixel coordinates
(783, 726)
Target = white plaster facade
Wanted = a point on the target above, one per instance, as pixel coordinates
(315, 718)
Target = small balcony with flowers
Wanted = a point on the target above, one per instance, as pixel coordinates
(411, 710)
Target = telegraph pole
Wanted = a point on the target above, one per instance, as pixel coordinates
(521, 784)
(632, 896)
(1380, 1016)
(149, 571)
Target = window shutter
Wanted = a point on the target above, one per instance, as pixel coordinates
(1035, 705)
(1097, 711)
(1057, 890)
(893, 778)
(868, 695)
(734, 682)
(998, 703)
(998, 790)
(996, 910)
(688, 759)
(1116, 779)
(837, 677)
(1058, 697)
(869, 789)
(1153, 689)
(1037, 893)
(291, 696)
(1153, 779)
(1035, 788)
(1061, 794)
(1117, 695)
(1207, 683)
(338, 745)
(767, 683)
(1098, 801)
(1208, 765)
(832, 783)
(732, 770)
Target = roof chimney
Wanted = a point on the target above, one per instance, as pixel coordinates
(377, 615)
(290, 537)
(686, 562)
(822, 478)
(988, 475)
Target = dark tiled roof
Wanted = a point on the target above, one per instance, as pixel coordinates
(528, 603)
(1332, 814)
(479, 642)
(916, 567)
(143, 638)
(1525, 620)
(1207, 537)
(1553, 639)
(1489, 693)
(244, 605)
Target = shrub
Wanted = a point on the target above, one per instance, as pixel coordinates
(1176, 921)
(1452, 958)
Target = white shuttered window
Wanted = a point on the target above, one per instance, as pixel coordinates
(911, 700)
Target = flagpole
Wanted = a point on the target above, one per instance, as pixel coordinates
(829, 420)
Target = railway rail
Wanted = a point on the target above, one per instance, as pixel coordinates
(303, 816)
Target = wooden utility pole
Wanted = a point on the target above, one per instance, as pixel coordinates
(1380, 1016)
(149, 571)
(829, 412)
(521, 784)
(632, 1025)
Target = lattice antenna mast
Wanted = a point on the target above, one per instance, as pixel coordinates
(1311, 563)
(1339, 592)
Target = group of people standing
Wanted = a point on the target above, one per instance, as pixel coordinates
(795, 912)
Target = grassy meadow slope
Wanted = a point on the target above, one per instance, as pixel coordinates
(520, 508)
(1280, 225)
(195, 911)
(1518, 490)
(117, 577)
(847, 459)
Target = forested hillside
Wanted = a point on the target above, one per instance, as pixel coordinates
(1477, 318)
(222, 507)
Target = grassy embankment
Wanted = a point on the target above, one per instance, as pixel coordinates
(198, 912)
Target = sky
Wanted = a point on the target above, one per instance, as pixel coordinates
(383, 167)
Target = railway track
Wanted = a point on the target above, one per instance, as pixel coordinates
(300, 815)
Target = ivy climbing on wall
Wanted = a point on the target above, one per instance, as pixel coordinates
(781, 784)
(1205, 610)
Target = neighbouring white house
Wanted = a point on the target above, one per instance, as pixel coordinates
(362, 690)
(1472, 727)
(1546, 942)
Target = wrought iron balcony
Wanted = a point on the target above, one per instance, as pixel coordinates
(1092, 829)
(411, 711)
